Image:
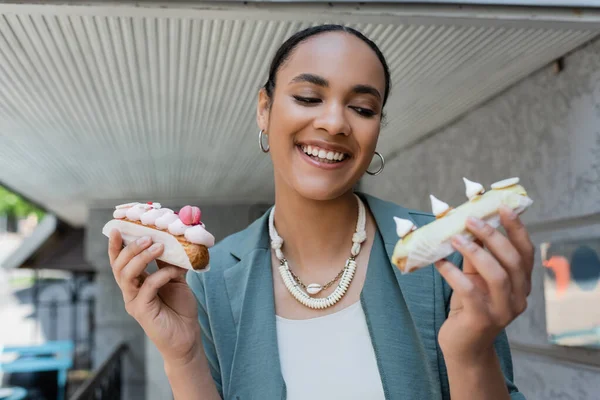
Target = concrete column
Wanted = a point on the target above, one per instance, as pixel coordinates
(113, 324)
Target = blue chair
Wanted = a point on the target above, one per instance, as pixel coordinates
(50, 356)
(13, 393)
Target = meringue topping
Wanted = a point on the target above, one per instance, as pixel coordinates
(197, 234)
(404, 226)
(473, 189)
(177, 227)
(150, 217)
(505, 183)
(438, 207)
(164, 221)
(135, 213)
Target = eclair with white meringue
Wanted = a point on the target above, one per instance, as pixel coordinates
(420, 247)
(185, 238)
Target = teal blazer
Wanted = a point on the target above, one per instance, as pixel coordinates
(404, 314)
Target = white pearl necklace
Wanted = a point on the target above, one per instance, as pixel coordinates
(350, 268)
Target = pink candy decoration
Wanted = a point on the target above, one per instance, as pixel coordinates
(190, 215)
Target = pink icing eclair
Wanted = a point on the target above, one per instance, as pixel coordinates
(185, 238)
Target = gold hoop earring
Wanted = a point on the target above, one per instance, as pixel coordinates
(260, 142)
(378, 154)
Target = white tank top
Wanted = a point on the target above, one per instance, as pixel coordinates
(329, 357)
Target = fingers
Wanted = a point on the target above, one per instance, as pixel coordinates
(505, 253)
(457, 280)
(149, 290)
(129, 276)
(115, 245)
(496, 277)
(127, 254)
(518, 236)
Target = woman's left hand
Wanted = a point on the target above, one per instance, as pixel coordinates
(490, 291)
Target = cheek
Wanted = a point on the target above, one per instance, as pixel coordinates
(290, 113)
(366, 134)
(287, 119)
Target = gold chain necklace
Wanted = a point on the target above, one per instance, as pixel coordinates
(315, 288)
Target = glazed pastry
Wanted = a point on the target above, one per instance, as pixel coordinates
(420, 247)
(184, 236)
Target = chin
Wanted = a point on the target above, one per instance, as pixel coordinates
(322, 190)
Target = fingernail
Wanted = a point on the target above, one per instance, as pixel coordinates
(459, 240)
(475, 222)
(155, 247)
(143, 241)
(510, 213)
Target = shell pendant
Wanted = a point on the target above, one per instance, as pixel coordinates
(320, 303)
(314, 288)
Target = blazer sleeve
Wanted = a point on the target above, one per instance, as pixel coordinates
(501, 343)
(196, 283)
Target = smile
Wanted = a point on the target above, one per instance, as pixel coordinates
(322, 155)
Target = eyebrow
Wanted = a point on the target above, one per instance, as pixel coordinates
(310, 78)
(366, 89)
(320, 81)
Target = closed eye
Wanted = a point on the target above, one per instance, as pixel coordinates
(365, 112)
(307, 100)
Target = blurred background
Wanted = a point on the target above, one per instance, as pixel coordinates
(106, 102)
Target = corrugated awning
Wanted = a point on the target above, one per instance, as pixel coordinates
(102, 102)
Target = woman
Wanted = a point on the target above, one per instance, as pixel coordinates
(239, 332)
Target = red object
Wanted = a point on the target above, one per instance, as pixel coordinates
(190, 215)
(562, 270)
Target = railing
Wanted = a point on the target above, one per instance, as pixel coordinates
(105, 383)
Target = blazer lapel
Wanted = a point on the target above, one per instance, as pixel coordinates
(255, 367)
(402, 314)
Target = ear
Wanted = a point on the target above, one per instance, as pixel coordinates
(263, 109)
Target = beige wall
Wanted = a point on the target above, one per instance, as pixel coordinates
(546, 130)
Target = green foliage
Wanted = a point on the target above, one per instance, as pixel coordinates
(13, 204)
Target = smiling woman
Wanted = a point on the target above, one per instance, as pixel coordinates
(312, 98)
(305, 303)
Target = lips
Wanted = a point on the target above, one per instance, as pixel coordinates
(323, 155)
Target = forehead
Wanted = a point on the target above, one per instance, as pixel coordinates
(339, 57)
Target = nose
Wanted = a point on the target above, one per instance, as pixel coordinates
(333, 120)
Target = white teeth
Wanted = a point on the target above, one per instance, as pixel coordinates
(324, 154)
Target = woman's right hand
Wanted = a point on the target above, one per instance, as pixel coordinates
(161, 302)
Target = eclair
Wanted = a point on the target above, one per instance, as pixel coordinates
(420, 247)
(184, 237)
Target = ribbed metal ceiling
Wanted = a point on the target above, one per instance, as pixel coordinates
(101, 107)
